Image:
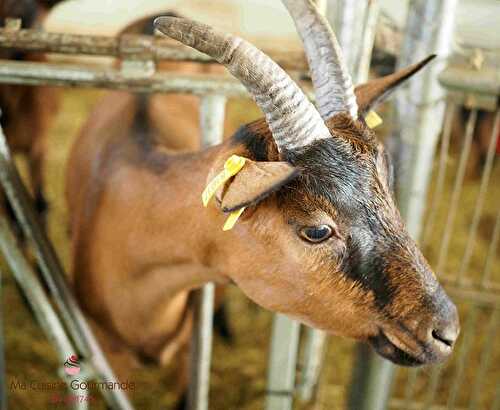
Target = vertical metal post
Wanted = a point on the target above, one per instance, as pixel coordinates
(282, 363)
(3, 370)
(54, 277)
(362, 63)
(212, 110)
(420, 108)
(421, 103)
(312, 362)
(344, 16)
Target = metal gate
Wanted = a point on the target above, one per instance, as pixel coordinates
(473, 279)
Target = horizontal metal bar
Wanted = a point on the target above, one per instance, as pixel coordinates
(485, 81)
(29, 73)
(130, 46)
(61, 75)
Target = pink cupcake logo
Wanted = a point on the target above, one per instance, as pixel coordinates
(72, 366)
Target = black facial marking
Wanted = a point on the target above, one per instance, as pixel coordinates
(255, 138)
(344, 173)
(365, 266)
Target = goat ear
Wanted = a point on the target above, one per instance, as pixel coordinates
(254, 182)
(376, 91)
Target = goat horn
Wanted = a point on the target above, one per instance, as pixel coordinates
(331, 79)
(292, 119)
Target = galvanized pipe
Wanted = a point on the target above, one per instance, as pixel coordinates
(40, 305)
(421, 104)
(362, 63)
(35, 295)
(421, 109)
(212, 112)
(314, 352)
(54, 276)
(282, 363)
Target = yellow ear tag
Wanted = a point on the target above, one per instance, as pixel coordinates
(232, 219)
(373, 120)
(232, 166)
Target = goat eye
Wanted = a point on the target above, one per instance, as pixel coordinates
(316, 234)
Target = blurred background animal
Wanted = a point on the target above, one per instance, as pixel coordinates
(27, 111)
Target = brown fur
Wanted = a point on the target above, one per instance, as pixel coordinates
(142, 240)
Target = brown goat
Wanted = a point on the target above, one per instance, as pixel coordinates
(320, 238)
(27, 111)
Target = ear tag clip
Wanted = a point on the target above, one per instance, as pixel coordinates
(373, 120)
(232, 166)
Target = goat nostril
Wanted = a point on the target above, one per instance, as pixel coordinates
(447, 339)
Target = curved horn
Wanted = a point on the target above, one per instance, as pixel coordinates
(332, 81)
(292, 119)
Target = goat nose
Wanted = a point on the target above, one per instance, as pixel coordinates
(443, 333)
(447, 334)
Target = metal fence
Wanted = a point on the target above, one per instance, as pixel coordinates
(473, 279)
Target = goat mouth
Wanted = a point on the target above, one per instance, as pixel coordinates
(396, 351)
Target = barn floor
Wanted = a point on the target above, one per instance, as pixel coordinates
(238, 371)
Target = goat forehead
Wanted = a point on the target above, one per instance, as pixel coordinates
(338, 172)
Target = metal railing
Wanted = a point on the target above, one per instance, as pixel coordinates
(139, 55)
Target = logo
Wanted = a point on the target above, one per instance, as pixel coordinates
(72, 366)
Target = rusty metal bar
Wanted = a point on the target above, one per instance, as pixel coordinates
(457, 190)
(54, 276)
(481, 196)
(130, 46)
(212, 112)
